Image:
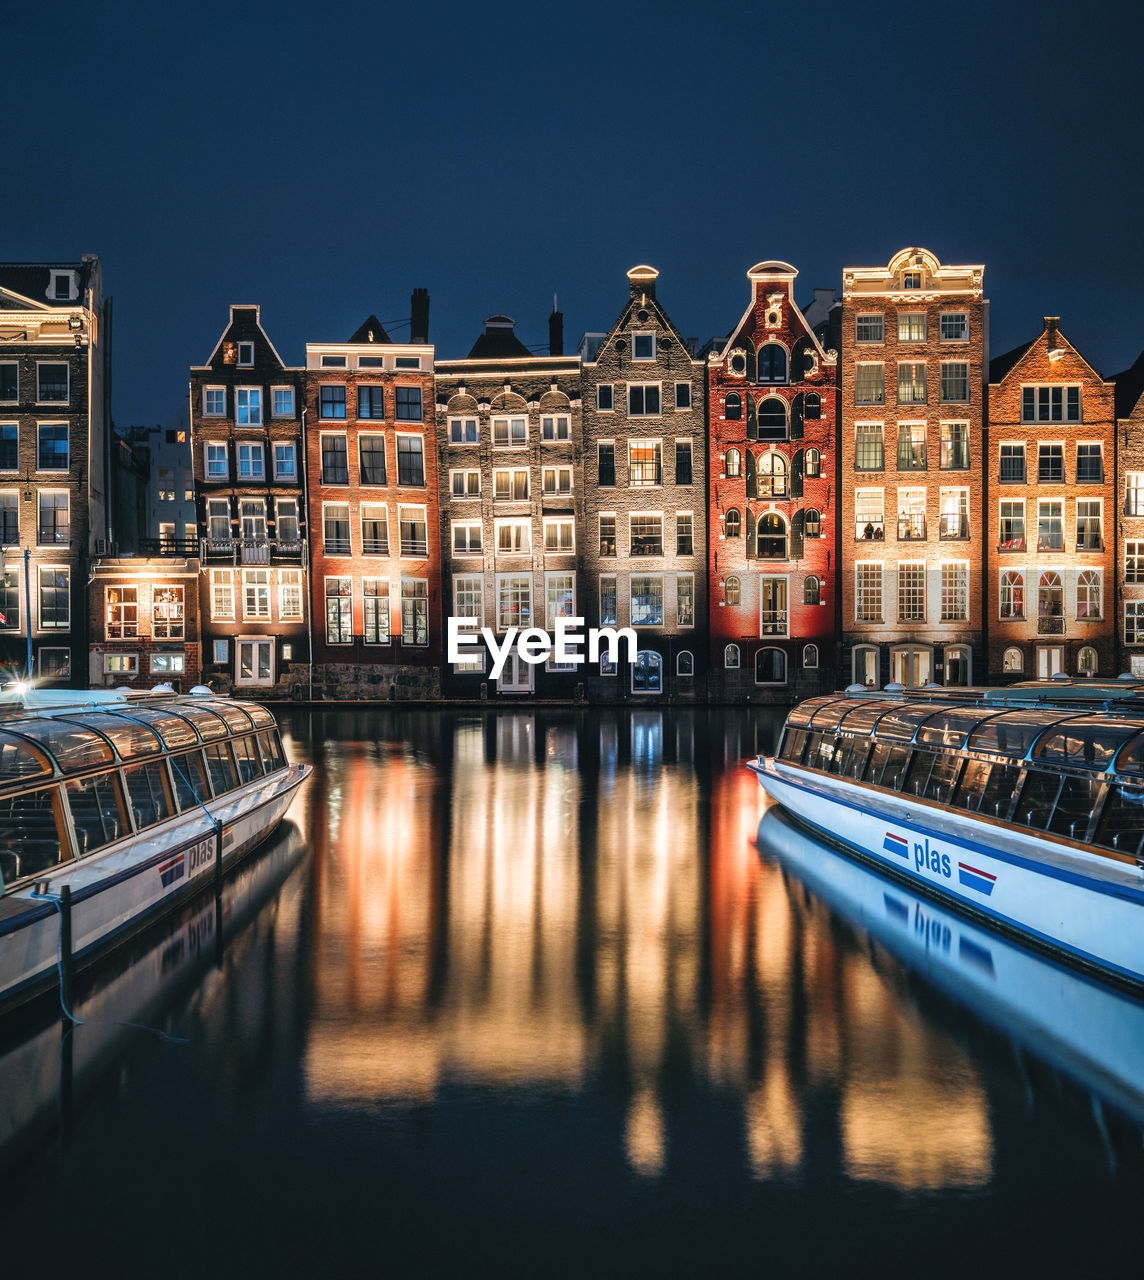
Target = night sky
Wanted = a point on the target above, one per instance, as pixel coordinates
(323, 160)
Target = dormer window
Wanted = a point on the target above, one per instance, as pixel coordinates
(911, 279)
(643, 346)
(246, 353)
(62, 287)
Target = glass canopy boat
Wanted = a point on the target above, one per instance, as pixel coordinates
(119, 806)
(1021, 806)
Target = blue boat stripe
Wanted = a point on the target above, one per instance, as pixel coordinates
(1012, 859)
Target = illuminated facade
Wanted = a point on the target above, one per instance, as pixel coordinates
(371, 466)
(1128, 610)
(773, 499)
(1052, 512)
(512, 486)
(246, 439)
(914, 355)
(645, 526)
(54, 461)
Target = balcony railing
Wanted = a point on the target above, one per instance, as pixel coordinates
(1016, 543)
(1051, 542)
(375, 546)
(212, 548)
(169, 546)
(870, 531)
(414, 546)
(336, 546)
(255, 551)
(1051, 625)
(773, 622)
(954, 527)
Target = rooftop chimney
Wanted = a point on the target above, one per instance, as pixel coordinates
(556, 333)
(642, 281)
(419, 316)
(1052, 338)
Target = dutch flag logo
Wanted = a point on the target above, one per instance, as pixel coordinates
(972, 878)
(171, 871)
(897, 845)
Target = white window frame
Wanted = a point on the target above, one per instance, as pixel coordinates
(109, 659)
(647, 515)
(643, 333)
(679, 579)
(222, 589)
(504, 581)
(961, 337)
(516, 522)
(964, 618)
(908, 618)
(467, 473)
(248, 580)
(559, 522)
(257, 642)
(658, 413)
(651, 577)
(289, 581)
(248, 348)
(252, 474)
(558, 420)
(459, 423)
(279, 472)
(274, 394)
(67, 374)
(423, 511)
(55, 629)
(615, 581)
(683, 408)
(860, 565)
(513, 473)
(253, 406)
(373, 507)
(220, 447)
(775, 577)
(611, 395)
(469, 550)
(549, 616)
(214, 413)
(52, 471)
(508, 419)
(556, 472)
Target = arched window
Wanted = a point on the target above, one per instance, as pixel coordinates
(772, 419)
(1086, 661)
(772, 472)
(1013, 662)
(1051, 597)
(812, 409)
(813, 462)
(772, 363)
(733, 407)
(811, 590)
(813, 523)
(770, 666)
(731, 594)
(685, 664)
(809, 657)
(731, 523)
(647, 672)
(731, 657)
(772, 539)
(1012, 602)
(733, 464)
(1088, 595)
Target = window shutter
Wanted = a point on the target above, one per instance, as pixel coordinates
(796, 417)
(752, 476)
(797, 530)
(796, 471)
(751, 362)
(752, 429)
(750, 522)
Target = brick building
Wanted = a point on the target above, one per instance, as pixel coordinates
(246, 441)
(371, 460)
(644, 552)
(773, 499)
(144, 622)
(54, 460)
(912, 419)
(1052, 512)
(1128, 609)
(512, 484)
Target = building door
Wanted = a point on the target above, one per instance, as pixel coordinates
(516, 676)
(866, 666)
(1050, 660)
(957, 665)
(910, 665)
(255, 662)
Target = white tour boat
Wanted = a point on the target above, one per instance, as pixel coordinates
(1023, 807)
(113, 808)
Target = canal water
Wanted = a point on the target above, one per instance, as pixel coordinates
(518, 993)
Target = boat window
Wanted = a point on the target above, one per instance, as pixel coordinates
(1013, 733)
(210, 727)
(18, 760)
(829, 717)
(190, 775)
(146, 793)
(888, 765)
(128, 738)
(863, 716)
(1088, 743)
(73, 746)
(29, 835)
(1061, 803)
(175, 732)
(97, 811)
(819, 750)
(1038, 796)
(272, 756)
(1131, 757)
(1122, 823)
(793, 742)
(246, 757)
(951, 728)
(902, 721)
(802, 714)
(850, 756)
(221, 764)
(932, 775)
(236, 718)
(261, 717)
(987, 788)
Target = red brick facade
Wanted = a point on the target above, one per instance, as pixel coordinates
(144, 624)
(772, 500)
(1052, 513)
(371, 462)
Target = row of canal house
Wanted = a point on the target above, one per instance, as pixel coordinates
(846, 491)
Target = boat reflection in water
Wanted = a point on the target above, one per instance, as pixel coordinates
(1090, 1033)
(48, 1066)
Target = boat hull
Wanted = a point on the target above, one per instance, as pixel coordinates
(1081, 907)
(128, 886)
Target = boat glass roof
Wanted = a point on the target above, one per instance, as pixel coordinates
(175, 732)
(862, 716)
(128, 738)
(1090, 742)
(206, 722)
(1013, 732)
(261, 717)
(19, 760)
(902, 721)
(73, 746)
(950, 728)
(236, 718)
(802, 715)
